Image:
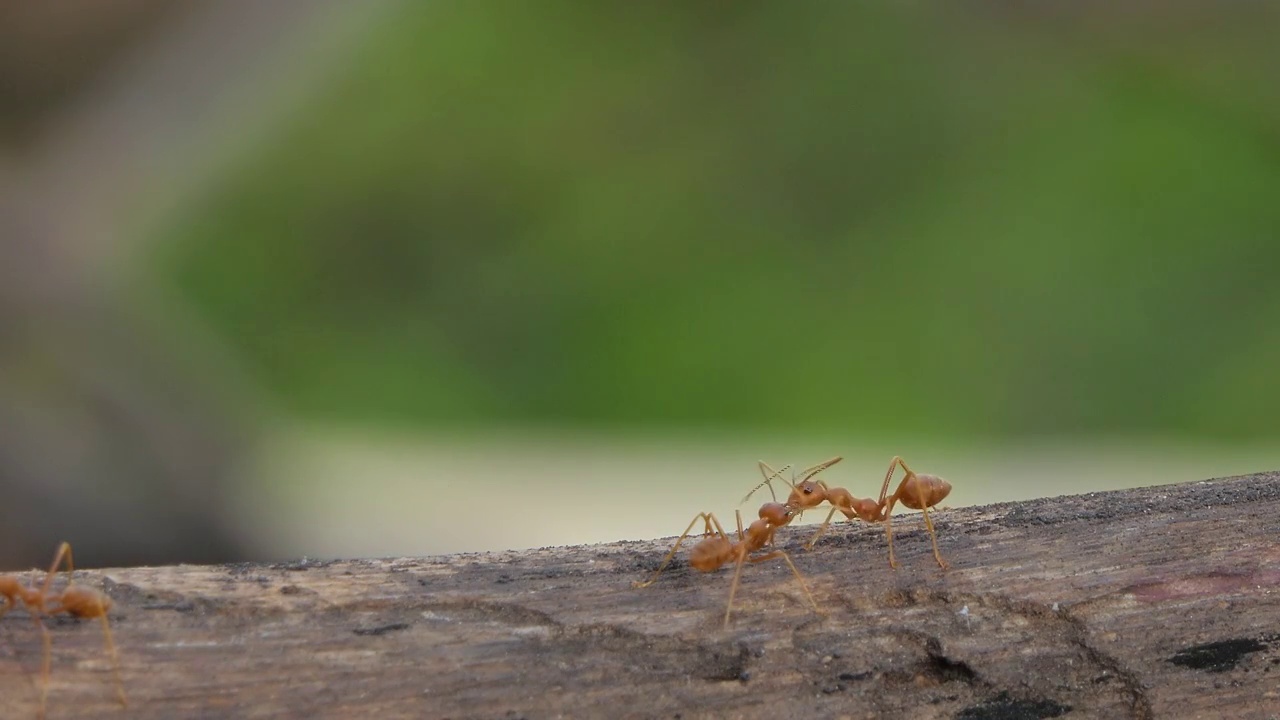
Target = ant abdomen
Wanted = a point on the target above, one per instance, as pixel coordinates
(930, 487)
(85, 602)
(710, 554)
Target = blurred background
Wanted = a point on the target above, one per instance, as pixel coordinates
(321, 278)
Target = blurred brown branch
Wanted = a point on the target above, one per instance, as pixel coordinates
(121, 421)
(106, 438)
(111, 435)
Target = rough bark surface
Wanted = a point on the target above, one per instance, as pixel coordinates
(1160, 602)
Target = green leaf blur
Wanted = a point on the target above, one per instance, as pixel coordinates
(831, 216)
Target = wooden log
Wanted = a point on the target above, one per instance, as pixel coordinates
(1159, 602)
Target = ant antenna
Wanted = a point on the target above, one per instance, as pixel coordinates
(769, 476)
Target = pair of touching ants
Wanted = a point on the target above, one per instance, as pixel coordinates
(918, 491)
(75, 600)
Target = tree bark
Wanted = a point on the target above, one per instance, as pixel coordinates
(1150, 603)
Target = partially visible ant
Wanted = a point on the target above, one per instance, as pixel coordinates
(918, 491)
(76, 600)
(716, 550)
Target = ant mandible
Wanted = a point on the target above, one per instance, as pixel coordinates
(717, 550)
(918, 491)
(76, 600)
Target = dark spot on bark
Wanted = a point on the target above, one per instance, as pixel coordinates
(381, 629)
(725, 665)
(1003, 707)
(1216, 657)
(945, 669)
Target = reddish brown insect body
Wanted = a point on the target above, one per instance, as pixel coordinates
(918, 491)
(716, 549)
(75, 600)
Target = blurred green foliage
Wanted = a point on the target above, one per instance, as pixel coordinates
(845, 216)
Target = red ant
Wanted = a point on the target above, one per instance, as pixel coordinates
(717, 550)
(807, 494)
(76, 600)
(917, 491)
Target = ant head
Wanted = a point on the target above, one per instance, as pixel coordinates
(776, 514)
(809, 493)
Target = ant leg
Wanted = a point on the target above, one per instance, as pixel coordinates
(719, 530)
(733, 589)
(44, 664)
(814, 470)
(888, 529)
(737, 576)
(769, 476)
(705, 517)
(821, 530)
(796, 572)
(115, 658)
(64, 551)
(929, 525)
(706, 527)
(887, 503)
(893, 465)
